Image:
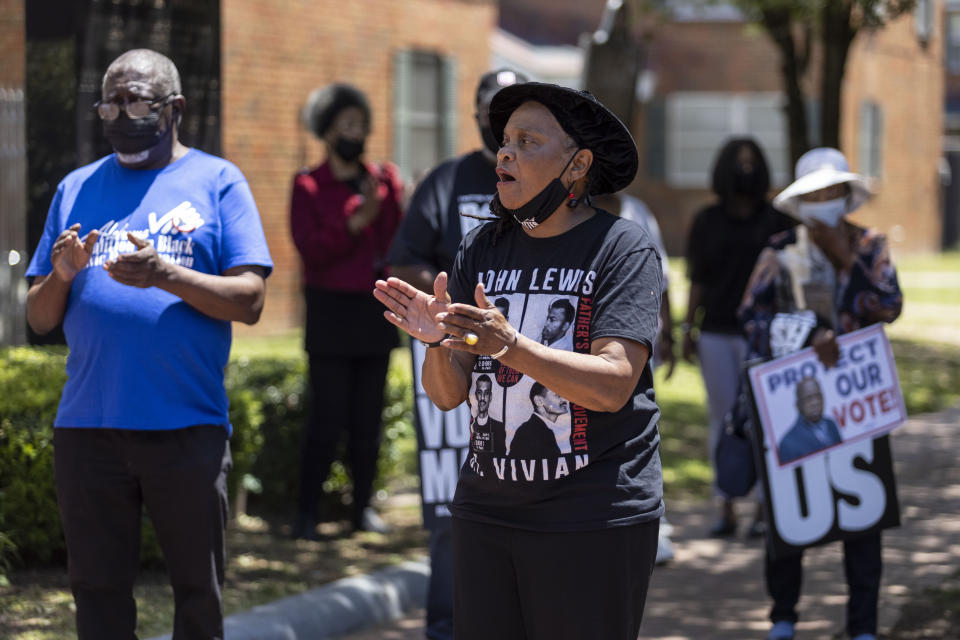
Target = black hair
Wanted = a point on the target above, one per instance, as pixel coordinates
(725, 169)
(482, 378)
(325, 103)
(502, 302)
(562, 303)
(536, 390)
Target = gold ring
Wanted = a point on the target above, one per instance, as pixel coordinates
(471, 339)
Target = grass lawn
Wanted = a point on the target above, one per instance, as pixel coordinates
(264, 565)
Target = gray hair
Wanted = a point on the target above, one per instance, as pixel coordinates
(166, 78)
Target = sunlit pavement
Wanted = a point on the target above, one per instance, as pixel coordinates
(713, 589)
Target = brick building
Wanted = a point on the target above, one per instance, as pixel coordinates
(248, 66)
(710, 75)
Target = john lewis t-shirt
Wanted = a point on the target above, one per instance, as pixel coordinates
(144, 358)
(600, 279)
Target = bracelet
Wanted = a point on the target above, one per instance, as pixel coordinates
(506, 347)
(431, 345)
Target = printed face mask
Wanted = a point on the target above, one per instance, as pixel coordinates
(348, 149)
(135, 138)
(829, 212)
(541, 206)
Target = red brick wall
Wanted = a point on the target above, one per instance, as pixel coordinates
(13, 46)
(894, 69)
(274, 54)
(889, 66)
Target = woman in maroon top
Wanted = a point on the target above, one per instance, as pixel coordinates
(343, 216)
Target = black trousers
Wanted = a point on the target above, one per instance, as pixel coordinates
(512, 584)
(440, 586)
(104, 478)
(862, 563)
(347, 396)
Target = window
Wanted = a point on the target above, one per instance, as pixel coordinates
(424, 111)
(953, 42)
(923, 20)
(698, 124)
(871, 140)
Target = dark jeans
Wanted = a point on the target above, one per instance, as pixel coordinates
(104, 478)
(440, 588)
(862, 563)
(347, 396)
(513, 584)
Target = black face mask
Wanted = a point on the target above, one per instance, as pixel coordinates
(348, 149)
(541, 206)
(489, 140)
(133, 136)
(747, 183)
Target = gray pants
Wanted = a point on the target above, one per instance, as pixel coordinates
(721, 357)
(104, 478)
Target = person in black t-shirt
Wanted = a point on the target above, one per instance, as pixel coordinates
(425, 245)
(575, 519)
(722, 248)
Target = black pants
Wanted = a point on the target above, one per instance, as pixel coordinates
(440, 587)
(104, 478)
(862, 563)
(512, 584)
(347, 396)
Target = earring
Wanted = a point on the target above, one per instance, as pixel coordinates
(572, 200)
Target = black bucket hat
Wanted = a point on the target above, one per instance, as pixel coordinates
(584, 119)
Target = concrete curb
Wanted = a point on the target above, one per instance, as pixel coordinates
(349, 604)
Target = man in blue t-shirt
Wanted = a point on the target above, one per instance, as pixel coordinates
(147, 256)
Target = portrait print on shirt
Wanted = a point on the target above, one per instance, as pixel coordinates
(607, 272)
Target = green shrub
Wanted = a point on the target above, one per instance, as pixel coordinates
(267, 410)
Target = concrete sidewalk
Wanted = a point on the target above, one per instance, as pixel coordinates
(713, 590)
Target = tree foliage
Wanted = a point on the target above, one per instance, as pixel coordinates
(796, 27)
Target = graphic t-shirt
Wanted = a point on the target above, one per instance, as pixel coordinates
(566, 468)
(144, 358)
(431, 231)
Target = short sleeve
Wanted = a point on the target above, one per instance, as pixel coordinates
(242, 241)
(40, 264)
(462, 275)
(420, 230)
(627, 300)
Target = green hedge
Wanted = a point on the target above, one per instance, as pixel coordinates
(267, 408)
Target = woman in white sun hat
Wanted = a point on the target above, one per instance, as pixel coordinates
(827, 277)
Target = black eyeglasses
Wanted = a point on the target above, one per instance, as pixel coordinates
(135, 110)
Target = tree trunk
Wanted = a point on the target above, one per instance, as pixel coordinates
(838, 34)
(793, 64)
(613, 66)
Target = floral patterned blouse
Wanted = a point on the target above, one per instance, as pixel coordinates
(866, 294)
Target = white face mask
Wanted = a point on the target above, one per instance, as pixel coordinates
(829, 212)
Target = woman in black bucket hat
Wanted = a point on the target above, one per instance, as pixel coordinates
(555, 529)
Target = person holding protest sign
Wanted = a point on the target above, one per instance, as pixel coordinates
(824, 278)
(599, 505)
(723, 245)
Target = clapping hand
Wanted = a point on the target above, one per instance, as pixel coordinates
(142, 268)
(71, 253)
(413, 310)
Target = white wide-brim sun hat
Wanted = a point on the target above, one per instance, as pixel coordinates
(818, 169)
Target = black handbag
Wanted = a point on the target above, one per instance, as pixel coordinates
(733, 458)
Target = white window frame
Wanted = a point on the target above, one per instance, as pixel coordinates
(732, 121)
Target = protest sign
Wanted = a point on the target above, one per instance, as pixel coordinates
(443, 438)
(821, 448)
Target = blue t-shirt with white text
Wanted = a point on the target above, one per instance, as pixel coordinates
(143, 358)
